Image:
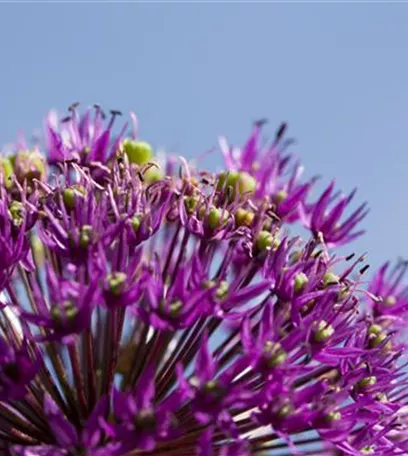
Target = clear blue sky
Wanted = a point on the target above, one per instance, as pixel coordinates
(338, 73)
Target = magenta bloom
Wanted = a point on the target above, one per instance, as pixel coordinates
(170, 312)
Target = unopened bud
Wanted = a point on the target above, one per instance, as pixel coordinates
(138, 152)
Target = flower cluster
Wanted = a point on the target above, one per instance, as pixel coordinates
(148, 311)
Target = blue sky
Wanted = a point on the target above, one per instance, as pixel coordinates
(338, 73)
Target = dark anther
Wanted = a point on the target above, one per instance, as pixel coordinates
(281, 131)
(73, 106)
(261, 122)
(352, 255)
(99, 110)
(364, 269)
(66, 119)
(115, 112)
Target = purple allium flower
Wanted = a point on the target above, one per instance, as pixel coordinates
(165, 313)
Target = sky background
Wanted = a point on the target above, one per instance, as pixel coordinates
(338, 73)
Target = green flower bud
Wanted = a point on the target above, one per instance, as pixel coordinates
(70, 194)
(37, 247)
(135, 222)
(241, 181)
(217, 217)
(367, 382)
(190, 203)
(368, 449)
(331, 279)
(16, 212)
(66, 313)
(264, 241)
(222, 291)
(29, 165)
(175, 308)
(85, 236)
(279, 197)
(285, 410)
(322, 331)
(153, 174)
(376, 338)
(334, 415)
(213, 388)
(172, 310)
(274, 354)
(6, 168)
(138, 152)
(375, 329)
(244, 217)
(116, 282)
(301, 280)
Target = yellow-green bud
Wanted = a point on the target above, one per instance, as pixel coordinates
(37, 247)
(213, 388)
(280, 197)
(285, 411)
(217, 217)
(70, 194)
(138, 152)
(85, 236)
(323, 331)
(375, 329)
(135, 222)
(66, 313)
(222, 290)
(301, 280)
(244, 217)
(334, 415)
(376, 338)
(6, 168)
(331, 279)
(153, 174)
(274, 354)
(172, 310)
(366, 382)
(29, 165)
(241, 181)
(264, 240)
(116, 281)
(16, 212)
(190, 203)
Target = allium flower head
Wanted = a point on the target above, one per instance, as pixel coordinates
(172, 312)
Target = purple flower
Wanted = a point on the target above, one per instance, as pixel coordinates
(84, 138)
(169, 312)
(17, 368)
(325, 222)
(69, 309)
